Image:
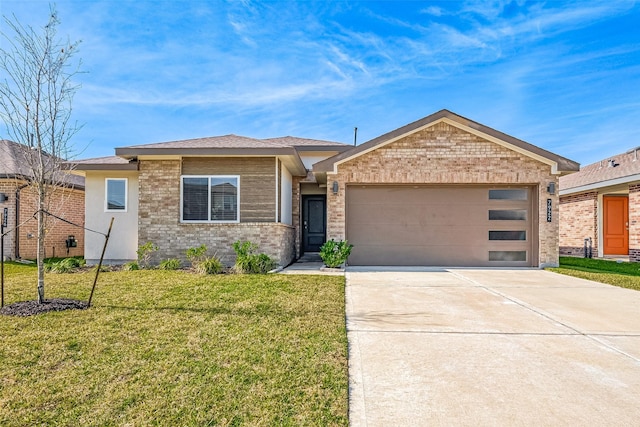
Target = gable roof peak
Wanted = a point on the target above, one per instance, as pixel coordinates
(558, 163)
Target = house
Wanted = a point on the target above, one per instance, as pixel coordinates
(211, 191)
(443, 190)
(601, 204)
(19, 200)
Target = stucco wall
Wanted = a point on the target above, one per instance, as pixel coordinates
(444, 154)
(578, 220)
(123, 241)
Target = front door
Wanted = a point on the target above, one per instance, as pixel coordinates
(314, 222)
(616, 225)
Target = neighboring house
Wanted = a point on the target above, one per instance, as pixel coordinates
(20, 201)
(602, 203)
(443, 190)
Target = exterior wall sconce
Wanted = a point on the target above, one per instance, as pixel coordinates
(551, 188)
(3, 197)
(335, 187)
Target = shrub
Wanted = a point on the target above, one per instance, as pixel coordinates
(334, 254)
(249, 262)
(65, 265)
(170, 264)
(144, 254)
(196, 255)
(209, 266)
(130, 266)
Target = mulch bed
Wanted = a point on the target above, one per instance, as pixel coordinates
(30, 308)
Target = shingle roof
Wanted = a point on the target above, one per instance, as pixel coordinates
(104, 163)
(224, 141)
(293, 141)
(13, 164)
(603, 172)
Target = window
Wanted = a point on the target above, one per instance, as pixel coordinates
(507, 235)
(508, 194)
(115, 195)
(507, 215)
(210, 198)
(507, 255)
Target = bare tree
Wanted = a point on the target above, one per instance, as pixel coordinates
(36, 94)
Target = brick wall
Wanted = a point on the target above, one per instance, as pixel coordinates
(634, 222)
(444, 154)
(578, 220)
(65, 203)
(159, 221)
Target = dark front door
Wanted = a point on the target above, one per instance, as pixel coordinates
(314, 222)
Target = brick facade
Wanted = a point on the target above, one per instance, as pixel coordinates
(65, 203)
(578, 221)
(634, 222)
(445, 154)
(159, 220)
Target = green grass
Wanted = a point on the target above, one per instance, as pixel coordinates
(179, 349)
(622, 274)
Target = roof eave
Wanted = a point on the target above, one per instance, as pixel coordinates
(129, 152)
(600, 184)
(131, 166)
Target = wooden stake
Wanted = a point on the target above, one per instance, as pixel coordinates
(104, 248)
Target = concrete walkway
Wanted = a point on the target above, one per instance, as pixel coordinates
(490, 347)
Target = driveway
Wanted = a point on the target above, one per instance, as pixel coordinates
(490, 347)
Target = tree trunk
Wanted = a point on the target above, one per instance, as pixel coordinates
(41, 252)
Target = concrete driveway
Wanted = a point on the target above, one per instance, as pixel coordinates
(490, 347)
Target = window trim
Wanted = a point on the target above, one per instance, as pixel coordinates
(209, 221)
(106, 194)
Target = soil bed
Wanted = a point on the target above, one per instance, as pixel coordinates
(30, 308)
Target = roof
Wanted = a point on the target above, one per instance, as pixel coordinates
(618, 169)
(14, 165)
(230, 144)
(286, 148)
(104, 163)
(558, 163)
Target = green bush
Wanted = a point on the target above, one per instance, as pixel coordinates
(334, 254)
(248, 262)
(170, 264)
(196, 255)
(130, 266)
(65, 265)
(144, 254)
(209, 266)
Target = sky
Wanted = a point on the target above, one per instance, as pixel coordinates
(562, 75)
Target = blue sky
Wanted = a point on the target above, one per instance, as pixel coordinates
(563, 75)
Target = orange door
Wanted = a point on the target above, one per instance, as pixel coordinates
(616, 225)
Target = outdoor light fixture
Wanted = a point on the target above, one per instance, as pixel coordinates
(3, 197)
(551, 188)
(335, 187)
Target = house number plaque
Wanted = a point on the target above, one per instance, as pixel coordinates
(548, 210)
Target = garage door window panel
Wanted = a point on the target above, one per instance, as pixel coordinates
(509, 256)
(509, 194)
(508, 235)
(507, 214)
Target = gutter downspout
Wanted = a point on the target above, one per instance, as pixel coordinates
(16, 252)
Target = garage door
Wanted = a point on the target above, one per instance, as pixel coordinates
(440, 226)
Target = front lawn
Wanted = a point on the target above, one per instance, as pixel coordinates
(623, 274)
(177, 349)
